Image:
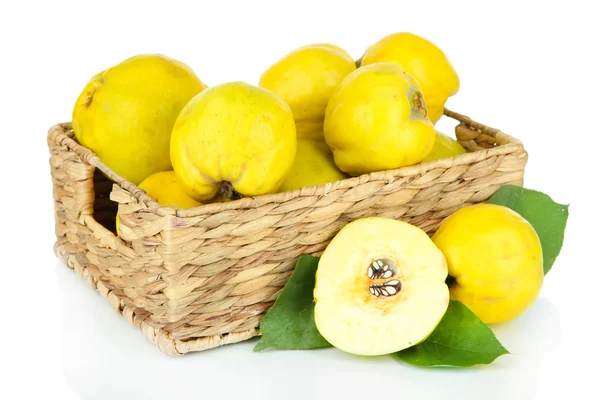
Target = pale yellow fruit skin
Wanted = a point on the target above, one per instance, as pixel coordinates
(163, 188)
(313, 166)
(233, 132)
(444, 147)
(357, 322)
(371, 123)
(126, 113)
(495, 256)
(424, 61)
(305, 79)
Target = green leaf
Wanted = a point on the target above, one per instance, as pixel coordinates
(547, 217)
(461, 339)
(290, 323)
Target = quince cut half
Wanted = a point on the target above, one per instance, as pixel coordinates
(380, 287)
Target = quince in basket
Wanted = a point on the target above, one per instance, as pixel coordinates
(380, 287)
(376, 120)
(164, 188)
(313, 166)
(125, 114)
(305, 79)
(235, 140)
(444, 147)
(495, 259)
(424, 61)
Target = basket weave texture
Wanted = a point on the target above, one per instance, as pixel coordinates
(194, 279)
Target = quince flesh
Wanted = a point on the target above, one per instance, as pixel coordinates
(380, 287)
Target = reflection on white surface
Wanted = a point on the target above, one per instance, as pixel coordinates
(106, 358)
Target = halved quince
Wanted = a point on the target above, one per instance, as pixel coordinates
(380, 287)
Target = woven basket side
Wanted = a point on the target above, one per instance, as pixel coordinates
(138, 317)
(197, 278)
(481, 141)
(73, 192)
(475, 136)
(85, 226)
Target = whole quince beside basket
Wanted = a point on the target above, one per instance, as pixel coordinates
(321, 207)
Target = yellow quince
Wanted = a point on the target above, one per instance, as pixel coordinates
(376, 120)
(163, 188)
(424, 61)
(305, 79)
(313, 166)
(444, 147)
(495, 259)
(235, 139)
(126, 113)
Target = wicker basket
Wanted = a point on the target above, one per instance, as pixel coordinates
(194, 279)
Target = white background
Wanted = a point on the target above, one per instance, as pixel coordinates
(529, 68)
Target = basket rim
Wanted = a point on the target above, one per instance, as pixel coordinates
(62, 134)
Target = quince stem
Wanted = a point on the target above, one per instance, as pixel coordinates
(227, 191)
(419, 104)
